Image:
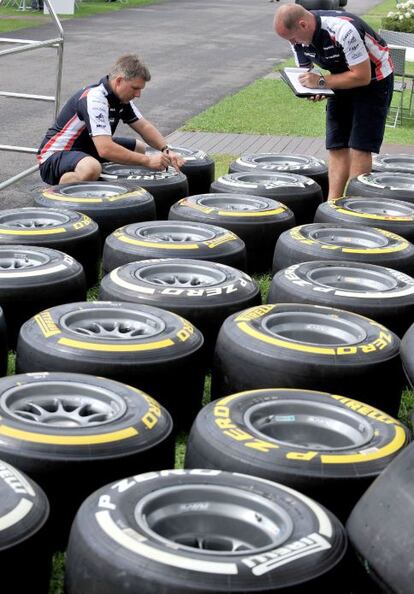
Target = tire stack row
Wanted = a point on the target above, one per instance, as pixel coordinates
(208, 528)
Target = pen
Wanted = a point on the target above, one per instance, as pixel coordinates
(167, 152)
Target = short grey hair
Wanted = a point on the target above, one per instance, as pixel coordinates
(289, 15)
(129, 66)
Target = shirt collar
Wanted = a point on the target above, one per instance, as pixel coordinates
(112, 98)
(317, 28)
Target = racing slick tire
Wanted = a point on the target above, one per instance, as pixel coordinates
(306, 165)
(382, 294)
(257, 221)
(393, 162)
(165, 186)
(407, 354)
(326, 446)
(24, 534)
(379, 526)
(61, 229)
(204, 531)
(72, 433)
(390, 184)
(396, 216)
(343, 242)
(110, 205)
(199, 168)
(173, 239)
(3, 344)
(205, 293)
(299, 193)
(143, 346)
(295, 345)
(33, 278)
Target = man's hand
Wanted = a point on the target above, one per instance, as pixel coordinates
(315, 98)
(176, 160)
(309, 80)
(159, 161)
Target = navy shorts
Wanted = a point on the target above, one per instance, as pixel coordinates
(355, 118)
(64, 161)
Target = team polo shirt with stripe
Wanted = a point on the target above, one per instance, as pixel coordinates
(341, 40)
(92, 111)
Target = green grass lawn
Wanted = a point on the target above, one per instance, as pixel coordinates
(12, 19)
(268, 106)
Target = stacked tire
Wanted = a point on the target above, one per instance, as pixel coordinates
(172, 239)
(294, 346)
(205, 531)
(257, 221)
(68, 231)
(299, 193)
(165, 186)
(110, 205)
(143, 346)
(205, 293)
(306, 165)
(72, 433)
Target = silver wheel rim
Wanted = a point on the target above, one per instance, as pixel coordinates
(236, 203)
(63, 404)
(171, 233)
(291, 162)
(313, 329)
(180, 275)
(110, 324)
(365, 239)
(141, 173)
(11, 260)
(93, 190)
(358, 279)
(310, 425)
(386, 208)
(396, 181)
(33, 220)
(397, 162)
(215, 520)
(273, 179)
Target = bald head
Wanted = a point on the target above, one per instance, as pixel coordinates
(294, 23)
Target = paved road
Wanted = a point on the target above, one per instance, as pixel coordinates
(198, 51)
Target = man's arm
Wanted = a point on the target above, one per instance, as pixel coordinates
(149, 133)
(358, 75)
(154, 138)
(111, 151)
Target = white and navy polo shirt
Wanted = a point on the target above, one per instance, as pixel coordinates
(92, 111)
(341, 40)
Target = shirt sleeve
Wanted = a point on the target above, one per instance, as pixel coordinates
(352, 44)
(299, 54)
(131, 113)
(94, 110)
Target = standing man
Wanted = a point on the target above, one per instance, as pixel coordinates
(361, 77)
(81, 138)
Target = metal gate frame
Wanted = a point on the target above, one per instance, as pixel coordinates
(26, 45)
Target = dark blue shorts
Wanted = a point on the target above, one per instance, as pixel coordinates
(63, 161)
(355, 118)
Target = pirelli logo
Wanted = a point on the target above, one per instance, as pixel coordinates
(46, 324)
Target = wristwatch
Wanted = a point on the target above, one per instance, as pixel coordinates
(322, 82)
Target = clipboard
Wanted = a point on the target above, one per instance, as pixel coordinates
(291, 77)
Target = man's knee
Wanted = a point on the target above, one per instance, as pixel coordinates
(88, 169)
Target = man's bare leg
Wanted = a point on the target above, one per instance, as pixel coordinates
(139, 147)
(339, 171)
(88, 169)
(361, 162)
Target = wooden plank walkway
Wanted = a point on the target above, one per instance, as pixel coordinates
(237, 144)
